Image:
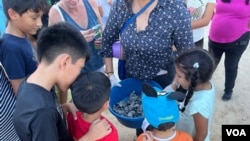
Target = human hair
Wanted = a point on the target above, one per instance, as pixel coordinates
(22, 6)
(161, 127)
(90, 91)
(61, 38)
(198, 66)
(228, 1)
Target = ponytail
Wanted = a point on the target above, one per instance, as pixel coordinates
(194, 81)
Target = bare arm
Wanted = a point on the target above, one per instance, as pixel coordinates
(206, 18)
(16, 84)
(201, 127)
(54, 16)
(108, 66)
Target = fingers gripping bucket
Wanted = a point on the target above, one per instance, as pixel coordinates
(120, 93)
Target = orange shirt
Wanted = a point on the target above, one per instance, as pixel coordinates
(180, 136)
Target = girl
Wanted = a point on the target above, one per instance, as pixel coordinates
(194, 70)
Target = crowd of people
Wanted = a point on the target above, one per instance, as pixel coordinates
(52, 50)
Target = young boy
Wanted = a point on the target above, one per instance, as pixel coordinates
(16, 55)
(90, 93)
(161, 114)
(62, 52)
(24, 18)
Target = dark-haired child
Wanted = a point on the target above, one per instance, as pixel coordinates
(90, 94)
(161, 114)
(62, 52)
(194, 69)
(16, 55)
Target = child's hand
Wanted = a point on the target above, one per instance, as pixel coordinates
(147, 136)
(99, 129)
(70, 107)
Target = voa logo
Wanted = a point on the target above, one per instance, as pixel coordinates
(236, 132)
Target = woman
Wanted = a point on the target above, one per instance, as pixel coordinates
(229, 34)
(147, 41)
(83, 14)
(201, 12)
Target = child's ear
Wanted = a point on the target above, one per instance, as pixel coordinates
(176, 96)
(12, 14)
(64, 60)
(149, 90)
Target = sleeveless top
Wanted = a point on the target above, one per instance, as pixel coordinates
(7, 106)
(95, 61)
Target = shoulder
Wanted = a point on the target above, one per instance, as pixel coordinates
(54, 15)
(183, 136)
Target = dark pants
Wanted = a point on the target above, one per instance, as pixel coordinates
(233, 52)
(199, 43)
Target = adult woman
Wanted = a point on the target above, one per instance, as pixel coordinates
(229, 34)
(147, 41)
(82, 14)
(201, 12)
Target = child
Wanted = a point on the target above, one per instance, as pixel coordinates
(194, 70)
(16, 55)
(161, 113)
(62, 52)
(90, 94)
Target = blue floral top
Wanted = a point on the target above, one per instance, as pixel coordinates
(149, 50)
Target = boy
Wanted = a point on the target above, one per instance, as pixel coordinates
(62, 52)
(90, 93)
(161, 114)
(16, 55)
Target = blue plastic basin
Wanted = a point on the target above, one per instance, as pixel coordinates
(121, 93)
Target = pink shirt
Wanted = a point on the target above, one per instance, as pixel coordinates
(230, 22)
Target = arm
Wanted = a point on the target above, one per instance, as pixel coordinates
(54, 16)
(15, 83)
(183, 34)
(110, 35)
(206, 18)
(201, 126)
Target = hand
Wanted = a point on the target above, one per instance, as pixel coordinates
(98, 43)
(88, 34)
(114, 81)
(70, 107)
(147, 136)
(98, 129)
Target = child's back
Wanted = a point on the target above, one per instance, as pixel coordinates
(90, 93)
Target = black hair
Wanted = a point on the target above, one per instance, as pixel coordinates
(161, 127)
(228, 1)
(61, 38)
(90, 91)
(22, 6)
(198, 66)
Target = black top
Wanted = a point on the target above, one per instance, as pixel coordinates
(37, 116)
